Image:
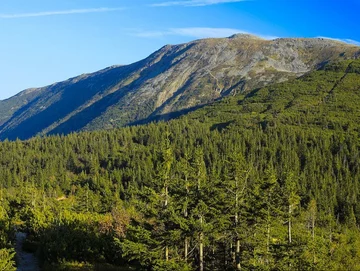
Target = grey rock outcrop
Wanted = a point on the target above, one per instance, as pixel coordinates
(174, 79)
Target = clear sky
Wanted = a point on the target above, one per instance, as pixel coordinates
(45, 41)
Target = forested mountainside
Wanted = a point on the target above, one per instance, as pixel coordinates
(171, 81)
(263, 181)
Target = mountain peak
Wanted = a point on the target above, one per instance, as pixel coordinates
(244, 36)
(173, 80)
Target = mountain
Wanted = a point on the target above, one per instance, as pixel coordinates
(173, 80)
(326, 100)
(273, 172)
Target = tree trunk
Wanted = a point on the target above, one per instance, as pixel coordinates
(201, 248)
(238, 265)
(165, 206)
(313, 228)
(289, 232)
(166, 195)
(268, 238)
(313, 218)
(237, 253)
(233, 256)
(87, 199)
(43, 200)
(289, 225)
(225, 255)
(186, 245)
(330, 226)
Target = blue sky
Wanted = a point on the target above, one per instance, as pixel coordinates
(44, 41)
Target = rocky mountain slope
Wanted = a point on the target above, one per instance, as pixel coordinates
(325, 100)
(173, 80)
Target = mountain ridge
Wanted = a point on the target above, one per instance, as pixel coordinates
(172, 79)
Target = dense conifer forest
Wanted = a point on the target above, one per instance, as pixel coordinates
(263, 181)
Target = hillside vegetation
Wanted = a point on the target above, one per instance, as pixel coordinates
(268, 180)
(172, 81)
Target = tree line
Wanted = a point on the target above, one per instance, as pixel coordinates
(178, 196)
(264, 181)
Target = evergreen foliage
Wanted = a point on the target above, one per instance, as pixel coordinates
(267, 181)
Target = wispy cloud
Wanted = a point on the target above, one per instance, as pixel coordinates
(195, 3)
(197, 32)
(60, 12)
(349, 41)
(352, 41)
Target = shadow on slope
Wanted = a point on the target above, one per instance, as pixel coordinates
(113, 101)
(72, 96)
